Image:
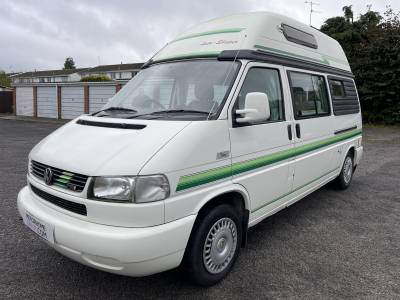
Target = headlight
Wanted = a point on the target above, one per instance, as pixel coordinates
(138, 189)
(114, 188)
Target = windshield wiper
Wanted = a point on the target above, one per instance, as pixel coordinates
(115, 108)
(179, 111)
(160, 112)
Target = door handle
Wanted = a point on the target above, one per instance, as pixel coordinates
(298, 133)
(289, 132)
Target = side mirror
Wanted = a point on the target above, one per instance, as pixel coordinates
(256, 108)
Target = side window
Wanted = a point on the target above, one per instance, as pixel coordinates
(309, 95)
(337, 88)
(265, 81)
(344, 96)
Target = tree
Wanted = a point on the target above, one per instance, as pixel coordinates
(372, 45)
(69, 64)
(348, 13)
(4, 79)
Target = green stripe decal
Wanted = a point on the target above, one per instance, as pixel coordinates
(190, 55)
(60, 180)
(293, 191)
(325, 58)
(193, 180)
(228, 30)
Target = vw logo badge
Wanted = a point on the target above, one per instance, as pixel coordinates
(48, 176)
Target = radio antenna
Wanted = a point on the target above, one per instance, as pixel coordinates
(312, 3)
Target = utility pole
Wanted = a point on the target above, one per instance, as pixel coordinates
(311, 7)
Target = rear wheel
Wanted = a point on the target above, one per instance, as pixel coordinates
(346, 175)
(214, 245)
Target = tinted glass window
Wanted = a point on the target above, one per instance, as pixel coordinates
(181, 90)
(264, 81)
(299, 37)
(337, 88)
(309, 95)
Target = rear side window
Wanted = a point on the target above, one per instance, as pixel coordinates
(309, 95)
(299, 37)
(337, 88)
(266, 81)
(344, 96)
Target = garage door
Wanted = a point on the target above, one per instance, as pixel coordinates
(24, 101)
(47, 102)
(98, 96)
(71, 102)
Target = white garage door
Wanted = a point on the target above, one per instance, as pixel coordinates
(24, 101)
(47, 102)
(99, 95)
(71, 102)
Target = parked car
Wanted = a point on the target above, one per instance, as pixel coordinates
(229, 123)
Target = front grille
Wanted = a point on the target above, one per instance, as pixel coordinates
(61, 178)
(68, 205)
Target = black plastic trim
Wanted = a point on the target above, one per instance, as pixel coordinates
(345, 130)
(110, 125)
(74, 207)
(282, 60)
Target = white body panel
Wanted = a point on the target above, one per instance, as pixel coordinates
(258, 31)
(47, 102)
(24, 101)
(266, 164)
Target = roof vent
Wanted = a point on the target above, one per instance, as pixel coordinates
(299, 37)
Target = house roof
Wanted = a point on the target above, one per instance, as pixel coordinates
(12, 74)
(117, 67)
(50, 73)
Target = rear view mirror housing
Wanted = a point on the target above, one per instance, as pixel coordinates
(256, 109)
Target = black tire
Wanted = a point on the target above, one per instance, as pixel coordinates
(343, 181)
(194, 262)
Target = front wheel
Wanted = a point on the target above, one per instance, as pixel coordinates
(346, 175)
(214, 245)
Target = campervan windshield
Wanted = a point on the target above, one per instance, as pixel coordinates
(192, 90)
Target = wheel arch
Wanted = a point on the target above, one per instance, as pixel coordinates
(235, 195)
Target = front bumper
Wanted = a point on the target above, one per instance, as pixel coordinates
(121, 250)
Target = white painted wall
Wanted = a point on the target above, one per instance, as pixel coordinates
(99, 95)
(24, 96)
(71, 102)
(47, 101)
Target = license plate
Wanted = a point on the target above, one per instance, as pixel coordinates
(42, 229)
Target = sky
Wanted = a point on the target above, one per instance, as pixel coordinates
(40, 34)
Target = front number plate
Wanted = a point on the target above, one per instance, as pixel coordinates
(42, 229)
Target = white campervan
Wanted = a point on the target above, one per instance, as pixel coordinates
(227, 124)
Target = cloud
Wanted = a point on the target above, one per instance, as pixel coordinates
(41, 34)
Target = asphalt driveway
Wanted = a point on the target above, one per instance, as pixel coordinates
(330, 245)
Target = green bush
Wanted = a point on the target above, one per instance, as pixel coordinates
(372, 45)
(95, 78)
(4, 80)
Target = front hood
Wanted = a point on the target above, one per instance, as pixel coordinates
(98, 151)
